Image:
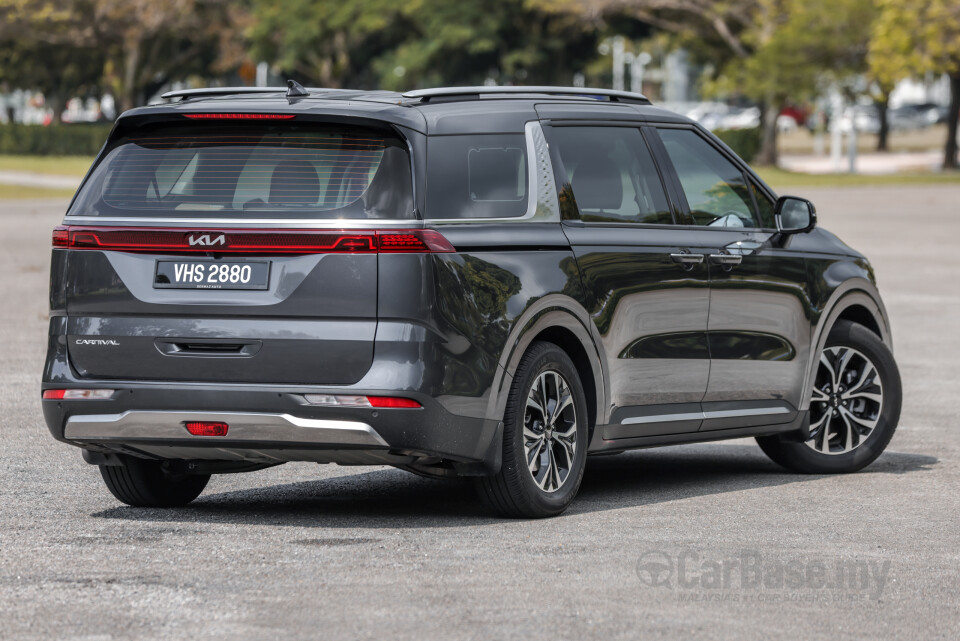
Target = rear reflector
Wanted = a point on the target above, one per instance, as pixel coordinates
(338, 400)
(206, 428)
(391, 401)
(240, 116)
(76, 394)
(251, 241)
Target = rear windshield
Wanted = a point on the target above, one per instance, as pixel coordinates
(251, 170)
(476, 176)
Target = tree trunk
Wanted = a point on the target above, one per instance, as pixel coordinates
(950, 152)
(768, 133)
(131, 65)
(883, 110)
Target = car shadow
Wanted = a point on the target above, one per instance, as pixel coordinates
(396, 499)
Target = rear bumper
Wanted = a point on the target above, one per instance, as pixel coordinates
(269, 425)
(145, 426)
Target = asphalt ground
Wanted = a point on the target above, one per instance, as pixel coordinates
(696, 542)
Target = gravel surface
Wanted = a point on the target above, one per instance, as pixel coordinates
(699, 541)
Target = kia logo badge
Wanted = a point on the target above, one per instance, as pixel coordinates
(206, 240)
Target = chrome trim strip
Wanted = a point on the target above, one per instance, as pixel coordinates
(756, 411)
(693, 416)
(162, 425)
(662, 418)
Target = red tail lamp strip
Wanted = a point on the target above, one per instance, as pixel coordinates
(251, 241)
(240, 116)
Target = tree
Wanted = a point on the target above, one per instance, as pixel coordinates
(325, 42)
(150, 43)
(398, 45)
(915, 37)
(797, 47)
(510, 41)
(49, 47)
(771, 51)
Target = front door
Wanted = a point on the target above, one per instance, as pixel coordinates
(759, 330)
(645, 286)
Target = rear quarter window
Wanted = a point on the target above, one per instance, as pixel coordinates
(477, 176)
(251, 170)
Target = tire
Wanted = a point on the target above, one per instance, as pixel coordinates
(836, 410)
(144, 483)
(547, 485)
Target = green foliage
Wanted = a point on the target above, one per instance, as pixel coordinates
(744, 142)
(53, 140)
(914, 37)
(400, 45)
(797, 45)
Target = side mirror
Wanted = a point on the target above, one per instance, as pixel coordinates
(795, 215)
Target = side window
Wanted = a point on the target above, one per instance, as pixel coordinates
(715, 188)
(766, 207)
(612, 175)
(478, 176)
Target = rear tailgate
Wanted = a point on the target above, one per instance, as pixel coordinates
(225, 252)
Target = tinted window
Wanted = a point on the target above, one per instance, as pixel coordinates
(252, 170)
(477, 176)
(766, 206)
(715, 188)
(612, 174)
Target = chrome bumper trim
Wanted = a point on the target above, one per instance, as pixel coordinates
(244, 426)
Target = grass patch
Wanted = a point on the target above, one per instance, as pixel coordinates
(19, 192)
(801, 141)
(779, 178)
(53, 165)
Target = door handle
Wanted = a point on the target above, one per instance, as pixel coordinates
(687, 259)
(726, 259)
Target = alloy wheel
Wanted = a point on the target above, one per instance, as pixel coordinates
(550, 431)
(846, 402)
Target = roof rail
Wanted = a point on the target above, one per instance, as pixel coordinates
(425, 95)
(219, 91)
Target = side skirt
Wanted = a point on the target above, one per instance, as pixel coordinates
(798, 426)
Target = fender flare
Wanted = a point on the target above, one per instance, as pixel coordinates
(856, 291)
(554, 310)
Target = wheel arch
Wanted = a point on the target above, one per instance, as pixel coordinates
(561, 321)
(856, 300)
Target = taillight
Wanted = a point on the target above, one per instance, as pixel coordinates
(251, 241)
(77, 394)
(206, 428)
(342, 400)
(61, 237)
(417, 240)
(240, 116)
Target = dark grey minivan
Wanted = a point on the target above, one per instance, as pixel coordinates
(489, 282)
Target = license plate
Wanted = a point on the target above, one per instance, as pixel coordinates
(196, 274)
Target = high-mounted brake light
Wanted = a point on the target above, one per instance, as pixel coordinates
(240, 116)
(251, 241)
(77, 394)
(206, 428)
(342, 400)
